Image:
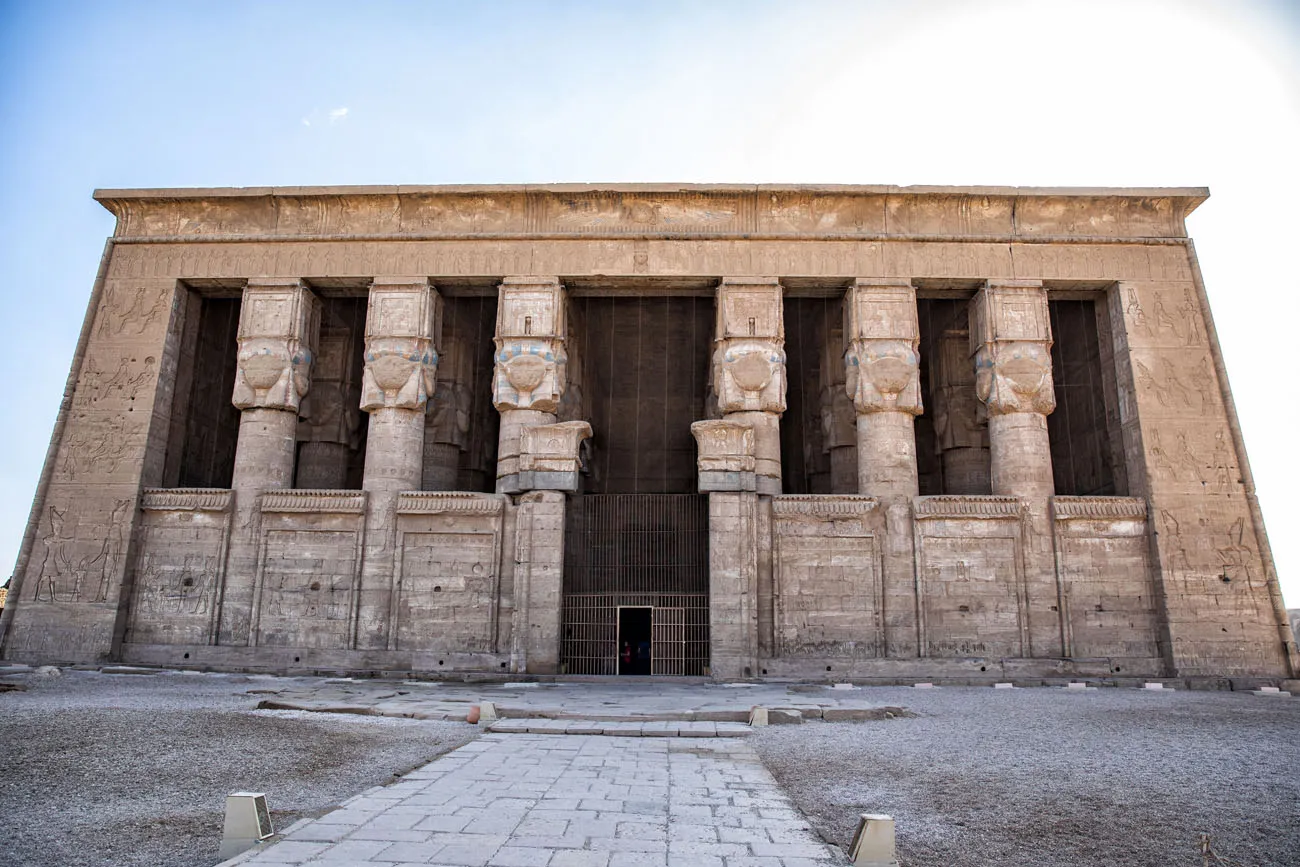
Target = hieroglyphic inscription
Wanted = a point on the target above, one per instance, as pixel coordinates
(970, 596)
(80, 562)
(308, 578)
(447, 591)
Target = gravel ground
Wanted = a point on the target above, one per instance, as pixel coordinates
(1113, 777)
(134, 770)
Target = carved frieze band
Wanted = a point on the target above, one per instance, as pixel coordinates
(449, 503)
(324, 501)
(823, 505)
(185, 500)
(1066, 508)
(950, 506)
(779, 212)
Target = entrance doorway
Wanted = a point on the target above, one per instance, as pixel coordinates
(634, 632)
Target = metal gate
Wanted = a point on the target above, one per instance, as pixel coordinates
(636, 550)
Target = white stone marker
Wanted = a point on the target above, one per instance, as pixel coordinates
(873, 843)
(843, 686)
(487, 712)
(248, 822)
(1004, 686)
(923, 686)
(1153, 686)
(1076, 685)
(758, 716)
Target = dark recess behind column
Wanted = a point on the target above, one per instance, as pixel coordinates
(645, 360)
(1082, 460)
(211, 427)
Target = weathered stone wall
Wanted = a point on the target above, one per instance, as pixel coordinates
(349, 579)
(826, 564)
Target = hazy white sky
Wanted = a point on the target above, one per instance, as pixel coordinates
(1139, 93)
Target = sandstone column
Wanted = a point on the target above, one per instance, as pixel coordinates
(839, 418)
(726, 465)
(329, 420)
(960, 425)
(446, 428)
(882, 375)
(530, 365)
(882, 368)
(402, 323)
(1011, 340)
(403, 320)
(749, 368)
(278, 325)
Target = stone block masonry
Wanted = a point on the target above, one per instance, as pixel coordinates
(943, 433)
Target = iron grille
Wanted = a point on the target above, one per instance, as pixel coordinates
(638, 550)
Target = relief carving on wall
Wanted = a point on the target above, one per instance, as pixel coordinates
(72, 568)
(131, 311)
(123, 385)
(97, 447)
(168, 588)
(1011, 339)
(279, 322)
(401, 364)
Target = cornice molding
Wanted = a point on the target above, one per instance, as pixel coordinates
(185, 500)
(652, 210)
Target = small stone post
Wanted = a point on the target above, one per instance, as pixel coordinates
(1011, 340)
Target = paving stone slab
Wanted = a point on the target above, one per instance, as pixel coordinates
(591, 800)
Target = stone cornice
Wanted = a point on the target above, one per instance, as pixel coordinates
(324, 501)
(449, 503)
(1067, 508)
(655, 210)
(823, 505)
(185, 500)
(954, 506)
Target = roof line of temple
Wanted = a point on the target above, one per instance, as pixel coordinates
(1193, 195)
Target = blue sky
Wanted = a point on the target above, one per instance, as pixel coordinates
(1053, 93)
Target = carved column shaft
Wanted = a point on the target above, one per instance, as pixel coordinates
(839, 417)
(402, 322)
(749, 368)
(961, 431)
(279, 321)
(882, 367)
(446, 431)
(529, 378)
(1011, 340)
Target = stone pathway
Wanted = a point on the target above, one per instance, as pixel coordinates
(653, 729)
(536, 800)
(610, 700)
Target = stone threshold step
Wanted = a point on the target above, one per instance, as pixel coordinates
(620, 729)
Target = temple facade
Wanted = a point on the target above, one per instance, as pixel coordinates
(729, 431)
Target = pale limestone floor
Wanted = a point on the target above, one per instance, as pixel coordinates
(518, 800)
